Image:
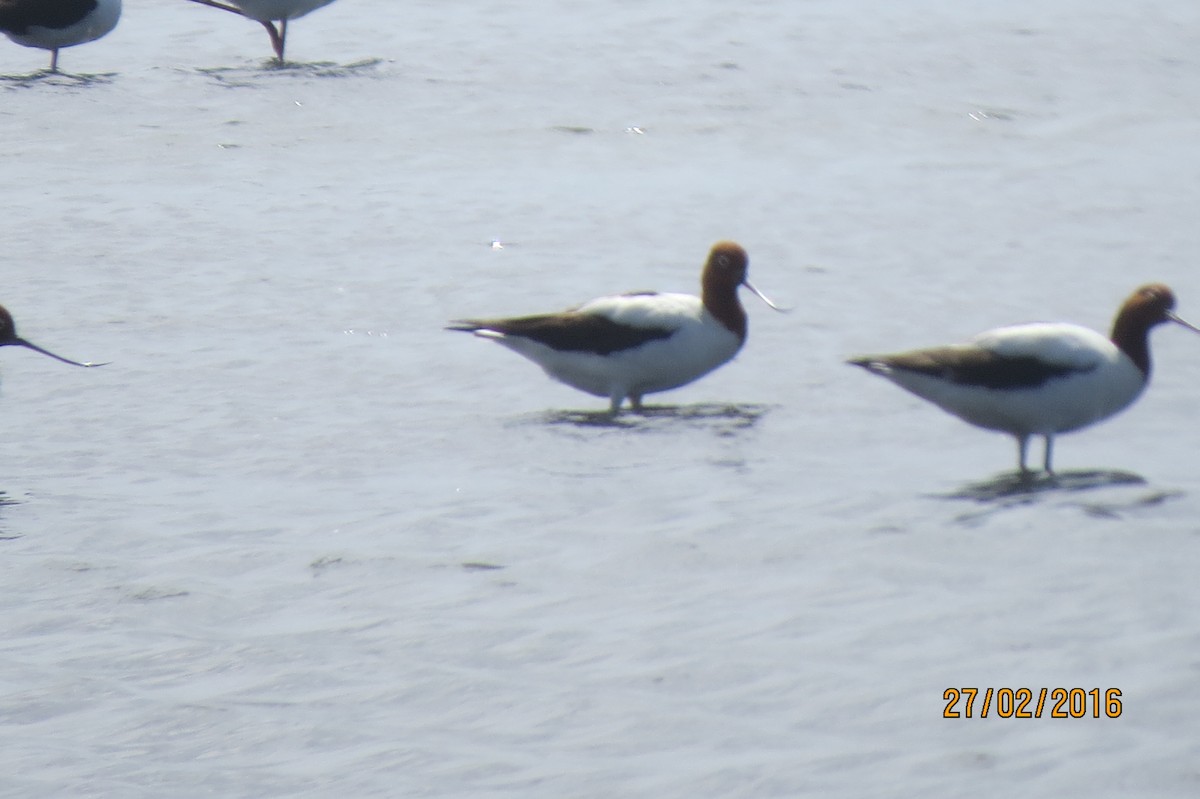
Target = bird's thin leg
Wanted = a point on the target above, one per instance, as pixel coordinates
(615, 400)
(1049, 452)
(54, 60)
(635, 402)
(277, 38)
(282, 38)
(1022, 448)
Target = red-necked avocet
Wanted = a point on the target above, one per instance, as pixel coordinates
(53, 24)
(630, 345)
(267, 13)
(9, 337)
(1037, 379)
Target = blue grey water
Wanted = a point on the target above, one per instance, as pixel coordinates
(297, 540)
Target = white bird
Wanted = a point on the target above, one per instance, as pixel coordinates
(630, 345)
(54, 24)
(268, 12)
(9, 337)
(1037, 379)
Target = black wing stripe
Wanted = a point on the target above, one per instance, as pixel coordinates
(572, 332)
(982, 368)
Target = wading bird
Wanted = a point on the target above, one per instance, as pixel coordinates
(630, 345)
(1037, 379)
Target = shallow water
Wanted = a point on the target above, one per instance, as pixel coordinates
(299, 541)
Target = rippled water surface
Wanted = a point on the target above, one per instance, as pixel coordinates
(297, 540)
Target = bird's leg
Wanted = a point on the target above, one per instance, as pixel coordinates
(1022, 448)
(1049, 452)
(635, 402)
(282, 38)
(278, 38)
(615, 399)
(54, 60)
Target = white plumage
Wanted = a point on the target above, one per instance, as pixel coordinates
(1100, 380)
(274, 10)
(54, 24)
(697, 345)
(630, 345)
(1037, 379)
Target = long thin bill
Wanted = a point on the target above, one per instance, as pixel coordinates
(763, 297)
(1177, 320)
(36, 348)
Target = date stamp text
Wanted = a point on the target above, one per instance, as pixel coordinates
(1025, 703)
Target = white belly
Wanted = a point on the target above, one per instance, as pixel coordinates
(270, 10)
(1059, 405)
(92, 27)
(692, 351)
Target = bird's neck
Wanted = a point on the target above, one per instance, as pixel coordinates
(1132, 337)
(723, 304)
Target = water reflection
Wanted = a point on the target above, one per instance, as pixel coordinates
(1017, 485)
(245, 76)
(1016, 490)
(44, 77)
(5, 499)
(722, 417)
